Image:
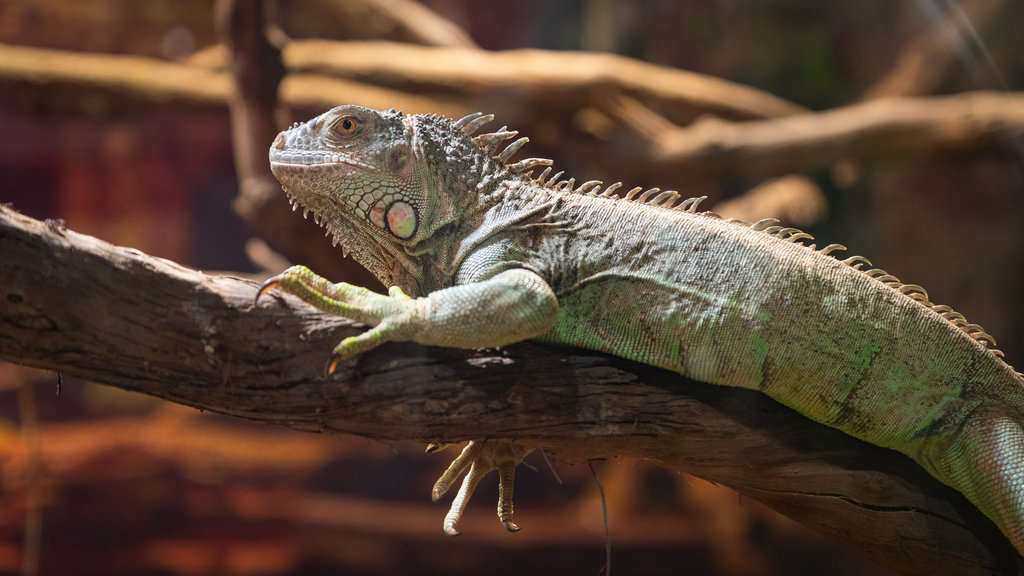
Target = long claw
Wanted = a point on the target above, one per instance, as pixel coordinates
(265, 287)
(332, 365)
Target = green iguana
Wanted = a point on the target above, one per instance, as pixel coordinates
(480, 252)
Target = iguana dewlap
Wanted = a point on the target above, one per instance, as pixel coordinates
(482, 253)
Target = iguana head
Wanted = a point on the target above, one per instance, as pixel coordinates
(381, 182)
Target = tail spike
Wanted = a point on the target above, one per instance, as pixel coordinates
(979, 334)
(529, 164)
(799, 235)
(610, 190)
(690, 204)
(666, 198)
(583, 188)
(490, 142)
(764, 223)
(647, 194)
(956, 318)
(512, 149)
(787, 232)
(854, 261)
(985, 338)
(461, 122)
(470, 123)
(631, 195)
(910, 289)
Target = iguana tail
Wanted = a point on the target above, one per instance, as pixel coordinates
(985, 462)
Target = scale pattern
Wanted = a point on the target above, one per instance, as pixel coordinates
(480, 252)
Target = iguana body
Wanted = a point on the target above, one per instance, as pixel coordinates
(490, 255)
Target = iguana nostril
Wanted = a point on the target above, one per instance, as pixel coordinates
(278, 142)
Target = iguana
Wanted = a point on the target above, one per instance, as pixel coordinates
(480, 252)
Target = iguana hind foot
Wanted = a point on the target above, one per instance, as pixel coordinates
(480, 457)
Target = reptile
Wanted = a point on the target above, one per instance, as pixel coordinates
(481, 252)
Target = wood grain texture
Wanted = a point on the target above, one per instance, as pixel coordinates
(75, 304)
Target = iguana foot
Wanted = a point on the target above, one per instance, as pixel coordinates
(391, 316)
(480, 457)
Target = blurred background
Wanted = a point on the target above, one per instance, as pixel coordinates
(893, 127)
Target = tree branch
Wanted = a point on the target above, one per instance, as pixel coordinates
(520, 86)
(452, 81)
(75, 304)
(873, 130)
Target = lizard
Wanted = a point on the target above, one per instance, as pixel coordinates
(480, 252)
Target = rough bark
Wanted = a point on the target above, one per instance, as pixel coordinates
(114, 315)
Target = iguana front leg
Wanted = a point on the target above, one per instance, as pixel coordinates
(512, 306)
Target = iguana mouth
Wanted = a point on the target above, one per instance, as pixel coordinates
(300, 158)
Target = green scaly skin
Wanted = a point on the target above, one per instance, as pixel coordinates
(490, 255)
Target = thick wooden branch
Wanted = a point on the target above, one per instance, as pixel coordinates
(77, 305)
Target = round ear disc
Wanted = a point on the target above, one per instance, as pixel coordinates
(402, 221)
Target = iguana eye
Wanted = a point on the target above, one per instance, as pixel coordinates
(346, 125)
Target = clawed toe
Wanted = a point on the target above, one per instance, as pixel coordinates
(480, 458)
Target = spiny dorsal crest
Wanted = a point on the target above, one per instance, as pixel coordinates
(913, 291)
(490, 143)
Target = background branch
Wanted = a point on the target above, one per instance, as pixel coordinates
(455, 81)
(75, 304)
(883, 130)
